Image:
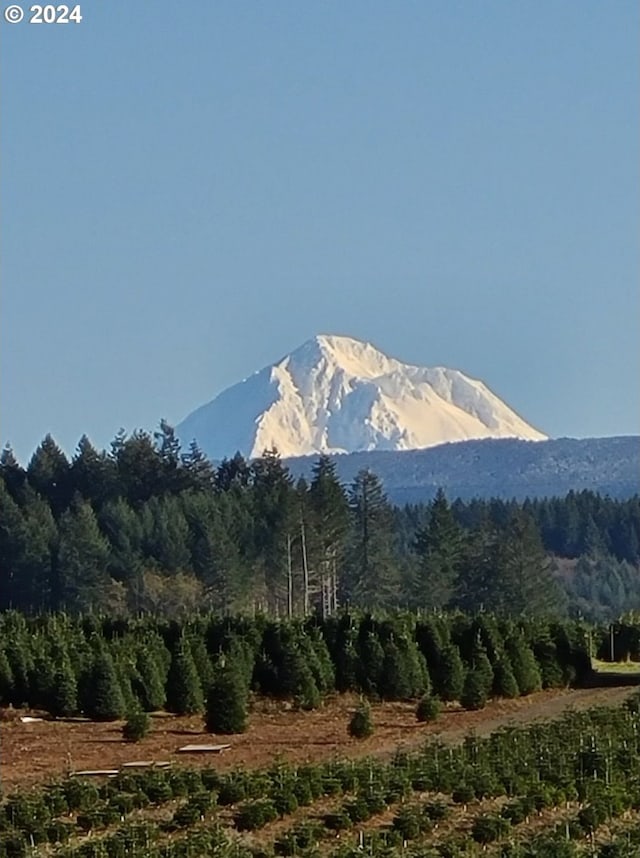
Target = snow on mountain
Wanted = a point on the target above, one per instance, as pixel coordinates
(340, 395)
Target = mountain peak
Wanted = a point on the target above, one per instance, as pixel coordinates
(339, 394)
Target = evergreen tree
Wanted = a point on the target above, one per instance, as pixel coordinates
(104, 700)
(474, 692)
(83, 555)
(546, 656)
(149, 686)
(198, 468)
(64, 691)
(395, 679)
(184, 691)
(329, 525)
(227, 700)
(428, 708)
(439, 545)
(215, 558)
(140, 467)
(166, 533)
(122, 527)
(361, 723)
(273, 505)
(504, 682)
(6, 679)
(451, 675)
(48, 473)
(93, 475)
(12, 473)
(523, 663)
(373, 576)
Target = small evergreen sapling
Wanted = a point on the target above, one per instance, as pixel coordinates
(136, 726)
(361, 723)
(428, 708)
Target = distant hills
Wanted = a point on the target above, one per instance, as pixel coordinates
(505, 468)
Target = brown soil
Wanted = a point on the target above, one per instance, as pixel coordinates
(36, 752)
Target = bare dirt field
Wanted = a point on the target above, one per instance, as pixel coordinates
(32, 753)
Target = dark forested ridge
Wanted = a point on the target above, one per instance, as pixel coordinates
(148, 527)
(499, 467)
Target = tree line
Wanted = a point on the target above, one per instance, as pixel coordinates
(104, 667)
(147, 527)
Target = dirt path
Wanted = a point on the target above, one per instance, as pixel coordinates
(37, 752)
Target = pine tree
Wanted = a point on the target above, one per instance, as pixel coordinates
(329, 526)
(373, 578)
(474, 693)
(82, 559)
(12, 473)
(104, 700)
(6, 678)
(428, 708)
(184, 691)
(504, 682)
(48, 473)
(523, 663)
(93, 475)
(361, 723)
(149, 686)
(273, 504)
(64, 691)
(451, 675)
(439, 545)
(226, 711)
(395, 681)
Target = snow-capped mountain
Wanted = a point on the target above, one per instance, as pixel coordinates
(340, 395)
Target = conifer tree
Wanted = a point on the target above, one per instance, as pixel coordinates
(546, 655)
(149, 686)
(295, 676)
(474, 692)
(184, 691)
(523, 663)
(373, 578)
(451, 674)
(329, 524)
(64, 691)
(82, 559)
(13, 474)
(371, 662)
(504, 682)
(361, 724)
(104, 700)
(6, 678)
(93, 475)
(226, 711)
(439, 546)
(48, 473)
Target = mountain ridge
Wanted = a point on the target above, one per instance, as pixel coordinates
(506, 468)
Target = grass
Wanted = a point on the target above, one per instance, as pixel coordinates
(616, 666)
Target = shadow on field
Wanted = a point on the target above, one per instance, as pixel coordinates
(610, 679)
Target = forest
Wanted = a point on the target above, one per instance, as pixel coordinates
(146, 527)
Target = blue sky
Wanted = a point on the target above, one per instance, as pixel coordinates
(191, 190)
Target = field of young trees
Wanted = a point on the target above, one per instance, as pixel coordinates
(562, 788)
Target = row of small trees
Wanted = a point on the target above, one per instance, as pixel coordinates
(104, 668)
(585, 763)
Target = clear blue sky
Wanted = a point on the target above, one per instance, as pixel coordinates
(191, 190)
